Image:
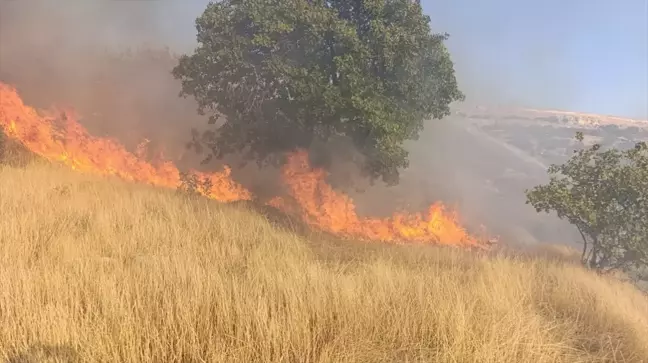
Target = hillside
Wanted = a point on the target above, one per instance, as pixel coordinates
(98, 270)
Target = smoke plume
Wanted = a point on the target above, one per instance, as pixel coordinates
(111, 61)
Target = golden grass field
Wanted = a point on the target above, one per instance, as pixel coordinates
(98, 270)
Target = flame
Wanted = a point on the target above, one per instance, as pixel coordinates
(322, 207)
(64, 140)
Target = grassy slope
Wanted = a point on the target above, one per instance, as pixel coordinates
(102, 271)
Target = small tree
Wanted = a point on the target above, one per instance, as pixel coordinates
(282, 74)
(604, 193)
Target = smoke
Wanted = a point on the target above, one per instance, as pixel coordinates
(111, 61)
(104, 58)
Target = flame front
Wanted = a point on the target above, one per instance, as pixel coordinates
(322, 207)
(64, 140)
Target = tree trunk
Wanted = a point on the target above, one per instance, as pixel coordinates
(593, 261)
(583, 254)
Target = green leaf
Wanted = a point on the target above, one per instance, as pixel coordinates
(287, 74)
(604, 193)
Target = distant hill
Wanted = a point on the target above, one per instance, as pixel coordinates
(482, 159)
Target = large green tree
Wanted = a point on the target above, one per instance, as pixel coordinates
(283, 74)
(604, 194)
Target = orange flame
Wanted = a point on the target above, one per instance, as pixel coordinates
(68, 142)
(322, 207)
(311, 198)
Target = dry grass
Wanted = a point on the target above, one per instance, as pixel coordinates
(101, 271)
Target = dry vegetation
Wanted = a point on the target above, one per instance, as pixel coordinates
(96, 270)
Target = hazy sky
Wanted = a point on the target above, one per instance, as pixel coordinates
(580, 55)
(589, 55)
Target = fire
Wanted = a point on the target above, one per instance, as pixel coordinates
(64, 140)
(322, 207)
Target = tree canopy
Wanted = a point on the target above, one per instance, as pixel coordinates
(604, 193)
(282, 74)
